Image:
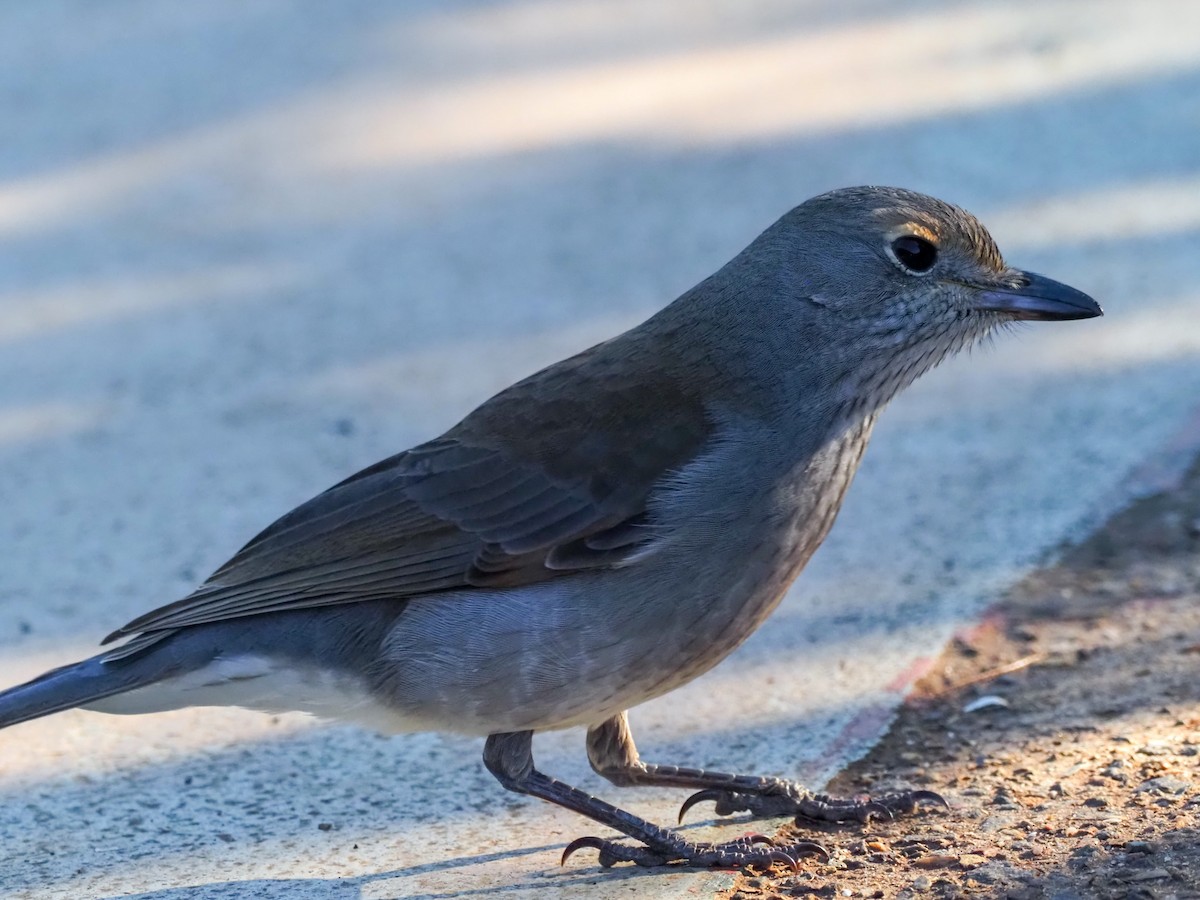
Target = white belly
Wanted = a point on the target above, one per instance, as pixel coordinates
(267, 685)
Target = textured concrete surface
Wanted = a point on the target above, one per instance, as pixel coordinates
(249, 247)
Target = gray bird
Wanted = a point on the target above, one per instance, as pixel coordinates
(599, 533)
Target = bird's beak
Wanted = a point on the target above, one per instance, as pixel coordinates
(1038, 297)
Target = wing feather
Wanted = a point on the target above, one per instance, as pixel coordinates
(522, 490)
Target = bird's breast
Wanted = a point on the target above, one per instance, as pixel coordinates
(736, 560)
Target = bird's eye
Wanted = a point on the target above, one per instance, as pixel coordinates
(915, 255)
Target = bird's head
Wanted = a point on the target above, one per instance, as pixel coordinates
(908, 279)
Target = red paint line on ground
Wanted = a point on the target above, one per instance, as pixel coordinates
(916, 670)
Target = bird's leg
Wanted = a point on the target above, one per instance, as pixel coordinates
(613, 754)
(509, 757)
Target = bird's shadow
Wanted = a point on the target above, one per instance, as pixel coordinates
(393, 884)
(271, 808)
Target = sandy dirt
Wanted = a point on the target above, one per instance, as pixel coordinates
(1064, 732)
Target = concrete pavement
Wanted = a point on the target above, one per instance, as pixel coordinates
(250, 247)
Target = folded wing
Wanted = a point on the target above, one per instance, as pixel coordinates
(563, 489)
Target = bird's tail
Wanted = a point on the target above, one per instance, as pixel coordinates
(78, 684)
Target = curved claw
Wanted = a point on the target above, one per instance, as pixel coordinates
(757, 838)
(903, 804)
(810, 847)
(713, 794)
(778, 856)
(594, 843)
(874, 809)
(931, 797)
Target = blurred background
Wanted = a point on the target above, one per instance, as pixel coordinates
(249, 247)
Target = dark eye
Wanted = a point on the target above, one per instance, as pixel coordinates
(915, 254)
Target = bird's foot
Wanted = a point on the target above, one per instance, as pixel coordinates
(786, 798)
(754, 850)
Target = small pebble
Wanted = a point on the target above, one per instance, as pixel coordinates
(934, 861)
(1150, 875)
(1164, 784)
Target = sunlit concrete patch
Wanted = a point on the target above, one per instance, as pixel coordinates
(433, 392)
(1147, 207)
(896, 68)
(46, 420)
(33, 312)
(1169, 331)
(94, 745)
(888, 69)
